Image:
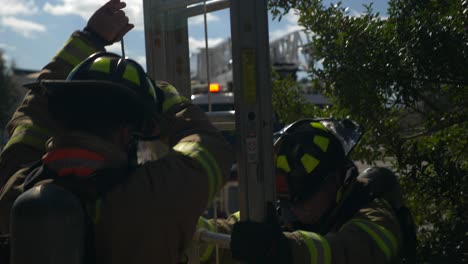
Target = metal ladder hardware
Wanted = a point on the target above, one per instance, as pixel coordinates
(166, 34)
(252, 91)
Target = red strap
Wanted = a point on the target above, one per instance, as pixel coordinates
(80, 172)
(70, 153)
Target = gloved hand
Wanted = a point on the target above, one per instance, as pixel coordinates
(109, 22)
(259, 243)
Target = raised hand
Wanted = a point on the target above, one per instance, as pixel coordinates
(109, 22)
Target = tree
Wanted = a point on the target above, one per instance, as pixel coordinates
(8, 95)
(405, 78)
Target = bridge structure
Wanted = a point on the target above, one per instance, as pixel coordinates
(290, 52)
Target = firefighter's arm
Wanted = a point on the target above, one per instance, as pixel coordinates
(189, 133)
(30, 126)
(106, 26)
(196, 166)
(372, 236)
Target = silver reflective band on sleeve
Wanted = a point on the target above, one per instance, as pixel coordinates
(384, 238)
(207, 161)
(318, 246)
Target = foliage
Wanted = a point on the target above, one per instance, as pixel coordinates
(405, 78)
(8, 95)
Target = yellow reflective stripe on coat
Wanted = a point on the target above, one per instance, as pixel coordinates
(203, 223)
(94, 210)
(318, 246)
(384, 238)
(171, 97)
(30, 135)
(206, 160)
(74, 51)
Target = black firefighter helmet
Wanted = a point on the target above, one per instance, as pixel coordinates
(104, 86)
(308, 151)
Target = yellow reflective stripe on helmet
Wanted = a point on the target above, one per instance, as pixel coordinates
(236, 216)
(282, 163)
(318, 246)
(131, 74)
(169, 89)
(309, 162)
(101, 65)
(30, 135)
(168, 103)
(319, 126)
(203, 223)
(171, 97)
(74, 51)
(322, 142)
(151, 88)
(206, 160)
(384, 239)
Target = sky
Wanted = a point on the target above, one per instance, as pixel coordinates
(32, 31)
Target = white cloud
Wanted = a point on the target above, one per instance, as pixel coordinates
(24, 27)
(141, 60)
(199, 20)
(195, 44)
(85, 8)
(18, 7)
(115, 48)
(291, 25)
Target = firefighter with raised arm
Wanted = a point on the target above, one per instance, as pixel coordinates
(78, 128)
(326, 211)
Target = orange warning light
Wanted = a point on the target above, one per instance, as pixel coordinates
(215, 87)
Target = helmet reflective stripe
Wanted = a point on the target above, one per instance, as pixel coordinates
(203, 223)
(236, 216)
(75, 51)
(319, 126)
(206, 160)
(319, 249)
(172, 97)
(151, 88)
(384, 238)
(101, 65)
(131, 74)
(322, 142)
(31, 135)
(282, 163)
(309, 162)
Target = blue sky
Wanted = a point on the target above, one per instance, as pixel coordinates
(31, 31)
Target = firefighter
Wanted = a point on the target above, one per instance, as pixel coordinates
(326, 212)
(81, 134)
(27, 136)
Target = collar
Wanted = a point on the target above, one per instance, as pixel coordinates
(82, 154)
